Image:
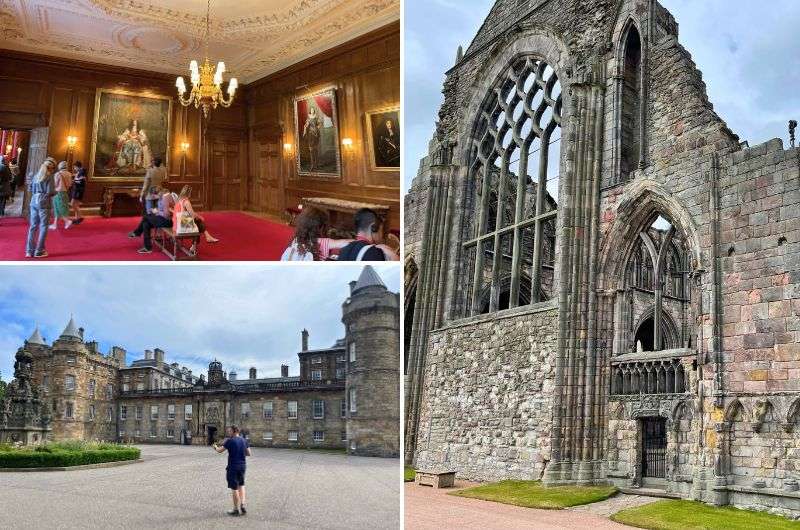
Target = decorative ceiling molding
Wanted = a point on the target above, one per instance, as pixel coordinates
(254, 37)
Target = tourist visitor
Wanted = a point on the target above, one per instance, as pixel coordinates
(184, 204)
(6, 179)
(63, 182)
(152, 188)
(15, 178)
(160, 217)
(77, 191)
(238, 450)
(308, 243)
(42, 189)
(365, 247)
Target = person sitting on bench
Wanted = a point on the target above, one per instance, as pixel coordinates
(365, 247)
(183, 204)
(160, 217)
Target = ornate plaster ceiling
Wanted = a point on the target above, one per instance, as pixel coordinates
(253, 37)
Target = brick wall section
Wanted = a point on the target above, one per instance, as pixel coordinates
(487, 406)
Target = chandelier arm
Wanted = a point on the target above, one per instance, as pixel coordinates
(224, 103)
(187, 100)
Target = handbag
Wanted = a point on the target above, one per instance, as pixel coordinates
(184, 220)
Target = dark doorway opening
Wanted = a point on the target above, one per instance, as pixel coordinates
(212, 435)
(645, 335)
(654, 447)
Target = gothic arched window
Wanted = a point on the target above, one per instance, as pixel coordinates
(511, 253)
(630, 115)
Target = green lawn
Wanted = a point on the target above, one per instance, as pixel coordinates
(409, 473)
(532, 494)
(691, 515)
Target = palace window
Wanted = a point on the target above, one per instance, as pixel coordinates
(268, 408)
(121, 433)
(343, 408)
(353, 400)
(187, 411)
(153, 412)
(316, 360)
(170, 431)
(245, 410)
(109, 413)
(138, 412)
(91, 412)
(292, 436)
(318, 409)
(292, 410)
(125, 387)
(316, 375)
(343, 436)
(340, 373)
(46, 383)
(69, 383)
(319, 436)
(153, 429)
(514, 164)
(139, 386)
(68, 411)
(170, 412)
(352, 352)
(92, 385)
(123, 412)
(267, 436)
(109, 391)
(71, 359)
(137, 433)
(340, 358)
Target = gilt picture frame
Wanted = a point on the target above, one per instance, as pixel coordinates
(129, 130)
(383, 139)
(316, 128)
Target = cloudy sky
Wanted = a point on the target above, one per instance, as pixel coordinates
(244, 315)
(751, 80)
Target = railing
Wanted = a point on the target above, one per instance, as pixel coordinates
(650, 373)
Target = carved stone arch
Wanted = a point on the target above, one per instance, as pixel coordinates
(672, 338)
(620, 36)
(761, 408)
(642, 202)
(411, 281)
(733, 409)
(681, 410)
(792, 415)
(616, 411)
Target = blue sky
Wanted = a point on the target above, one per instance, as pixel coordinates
(750, 78)
(244, 315)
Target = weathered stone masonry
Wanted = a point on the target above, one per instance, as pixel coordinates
(670, 329)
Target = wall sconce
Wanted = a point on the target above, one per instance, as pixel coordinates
(184, 147)
(71, 141)
(287, 148)
(347, 143)
(8, 148)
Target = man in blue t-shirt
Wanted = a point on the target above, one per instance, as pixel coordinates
(237, 452)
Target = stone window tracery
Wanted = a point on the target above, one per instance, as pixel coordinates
(514, 164)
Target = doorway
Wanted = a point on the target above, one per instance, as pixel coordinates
(654, 448)
(15, 152)
(212, 435)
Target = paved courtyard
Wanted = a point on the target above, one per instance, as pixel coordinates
(184, 487)
(433, 509)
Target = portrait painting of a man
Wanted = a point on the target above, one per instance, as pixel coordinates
(129, 131)
(317, 135)
(383, 131)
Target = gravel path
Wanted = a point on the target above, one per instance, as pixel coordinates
(184, 487)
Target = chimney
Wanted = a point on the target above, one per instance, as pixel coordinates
(119, 354)
(80, 332)
(253, 372)
(159, 356)
(148, 354)
(352, 286)
(304, 334)
(232, 376)
(284, 370)
(92, 346)
(189, 375)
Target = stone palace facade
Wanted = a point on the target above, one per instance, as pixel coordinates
(346, 396)
(602, 280)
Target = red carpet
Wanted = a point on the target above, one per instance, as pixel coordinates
(242, 238)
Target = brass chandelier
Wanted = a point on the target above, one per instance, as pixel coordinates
(206, 81)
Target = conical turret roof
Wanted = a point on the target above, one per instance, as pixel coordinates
(36, 337)
(368, 278)
(71, 330)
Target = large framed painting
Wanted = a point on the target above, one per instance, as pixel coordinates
(130, 129)
(383, 135)
(316, 127)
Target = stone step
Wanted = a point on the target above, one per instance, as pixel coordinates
(650, 492)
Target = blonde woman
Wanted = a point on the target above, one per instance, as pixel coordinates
(63, 182)
(42, 188)
(183, 204)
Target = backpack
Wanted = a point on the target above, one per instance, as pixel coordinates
(349, 252)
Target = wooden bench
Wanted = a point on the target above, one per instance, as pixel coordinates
(175, 245)
(436, 479)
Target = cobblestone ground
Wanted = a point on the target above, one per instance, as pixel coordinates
(616, 503)
(184, 487)
(431, 509)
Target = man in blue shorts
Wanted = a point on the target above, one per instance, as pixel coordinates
(237, 452)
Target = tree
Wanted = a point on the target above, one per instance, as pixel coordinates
(2, 387)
